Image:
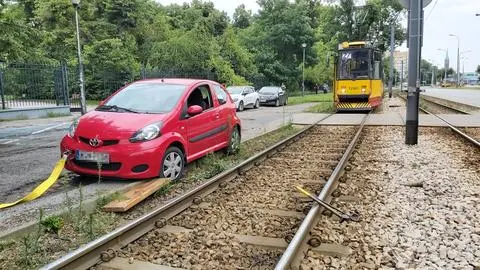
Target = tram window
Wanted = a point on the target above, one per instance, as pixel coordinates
(354, 64)
(376, 70)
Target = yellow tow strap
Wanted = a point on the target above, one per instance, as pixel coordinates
(40, 189)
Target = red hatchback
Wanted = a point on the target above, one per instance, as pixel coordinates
(152, 128)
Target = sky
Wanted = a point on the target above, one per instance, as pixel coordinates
(443, 17)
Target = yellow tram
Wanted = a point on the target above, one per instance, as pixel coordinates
(358, 82)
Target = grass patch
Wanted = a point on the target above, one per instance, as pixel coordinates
(93, 102)
(328, 97)
(56, 235)
(324, 107)
(53, 114)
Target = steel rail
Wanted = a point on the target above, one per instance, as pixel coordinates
(444, 106)
(459, 132)
(300, 236)
(103, 248)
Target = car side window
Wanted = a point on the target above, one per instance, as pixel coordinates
(221, 95)
(201, 96)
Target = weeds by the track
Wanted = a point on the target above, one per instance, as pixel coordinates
(324, 107)
(56, 235)
(328, 97)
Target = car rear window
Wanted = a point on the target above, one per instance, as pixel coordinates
(268, 90)
(148, 97)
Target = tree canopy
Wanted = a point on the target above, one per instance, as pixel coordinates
(125, 35)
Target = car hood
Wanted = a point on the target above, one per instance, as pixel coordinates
(236, 96)
(114, 124)
(267, 95)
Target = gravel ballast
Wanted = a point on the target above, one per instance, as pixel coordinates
(420, 205)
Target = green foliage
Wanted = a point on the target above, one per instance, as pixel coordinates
(52, 224)
(328, 97)
(120, 37)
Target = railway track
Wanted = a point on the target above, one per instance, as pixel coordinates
(244, 218)
(455, 129)
(437, 107)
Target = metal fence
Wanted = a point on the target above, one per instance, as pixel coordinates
(30, 86)
(45, 85)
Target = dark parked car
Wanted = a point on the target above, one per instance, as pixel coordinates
(273, 95)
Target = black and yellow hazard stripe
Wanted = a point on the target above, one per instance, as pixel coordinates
(353, 106)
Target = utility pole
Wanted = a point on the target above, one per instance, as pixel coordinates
(304, 45)
(433, 76)
(415, 26)
(401, 79)
(392, 49)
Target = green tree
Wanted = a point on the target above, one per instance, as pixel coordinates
(242, 17)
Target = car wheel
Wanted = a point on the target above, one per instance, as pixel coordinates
(257, 104)
(173, 163)
(240, 106)
(286, 102)
(277, 103)
(234, 142)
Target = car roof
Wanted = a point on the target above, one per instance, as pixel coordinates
(181, 81)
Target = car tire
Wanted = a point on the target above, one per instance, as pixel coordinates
(277, 103)
(257, 104)
(234, 142)
(172, 171)
(286, 102)
(241, 106)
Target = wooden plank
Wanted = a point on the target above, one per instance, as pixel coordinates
(135, 195)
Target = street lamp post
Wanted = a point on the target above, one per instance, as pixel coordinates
(76, 4)
(458, 58)
(304, 45)
(445, 66)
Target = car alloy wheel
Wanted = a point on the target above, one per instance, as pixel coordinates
(240, 106)
(257, 104)
(235, 140)
(172, 164)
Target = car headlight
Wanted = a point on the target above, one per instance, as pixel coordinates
(73, 128)
(147, 133)
(235, 99)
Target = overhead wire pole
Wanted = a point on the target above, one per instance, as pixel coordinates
(392, 49)
(415, 25)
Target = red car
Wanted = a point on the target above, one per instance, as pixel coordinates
(152, 128)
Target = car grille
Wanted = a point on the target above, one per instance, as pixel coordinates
(105, 142)
(114, 166)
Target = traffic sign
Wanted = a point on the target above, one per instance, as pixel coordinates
(406, 3)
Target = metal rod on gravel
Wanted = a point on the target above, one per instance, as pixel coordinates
(344, 216)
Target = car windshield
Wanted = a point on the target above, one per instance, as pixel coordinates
(146, 98)
(268, 91)
(235, 90)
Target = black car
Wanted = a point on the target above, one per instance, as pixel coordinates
(273, 95)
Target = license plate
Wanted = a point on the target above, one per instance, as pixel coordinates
(92, 156)
(263, 99)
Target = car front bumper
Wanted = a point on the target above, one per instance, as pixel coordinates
(127, 160)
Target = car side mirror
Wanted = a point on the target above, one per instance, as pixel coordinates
(194, 110)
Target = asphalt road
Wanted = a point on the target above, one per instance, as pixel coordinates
(29, 149)
(464, 95)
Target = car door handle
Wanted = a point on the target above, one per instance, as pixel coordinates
(217, 116)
